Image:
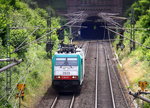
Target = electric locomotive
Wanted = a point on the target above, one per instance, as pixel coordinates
(68, 69)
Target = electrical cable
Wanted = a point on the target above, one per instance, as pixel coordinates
(73, 21)
(147, 47)
(18, 80)
(26, 77)
(27, 38)
(19, 47)
(12, 92)
(108, 19)
(38, 38)
(42, 36)
(146, 29)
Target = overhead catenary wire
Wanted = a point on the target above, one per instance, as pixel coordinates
(27, 38)
(26, 78)
(21, 78)
(122, 28)
(17, 82)
(110, 43)
(29, 43)
(18, 48)
(124, 36)
(72, 22)
(64, 35)
(107, 18)
(147, 47)
(11, 93)
(116, 74)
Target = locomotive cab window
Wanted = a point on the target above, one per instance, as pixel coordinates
(66, 62)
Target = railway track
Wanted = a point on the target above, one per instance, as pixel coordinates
(101, 87)
(96, 76)
(108, 89)
(86, 97)
(110, 79)
(120, 92)
(67, 101)
(104, 96)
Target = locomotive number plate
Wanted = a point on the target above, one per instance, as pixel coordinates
(66, 73)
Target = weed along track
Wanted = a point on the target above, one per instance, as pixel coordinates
(101, 86)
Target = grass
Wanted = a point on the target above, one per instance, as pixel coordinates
(134, 71)
(36, 93)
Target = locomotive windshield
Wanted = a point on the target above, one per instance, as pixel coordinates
(66, 62)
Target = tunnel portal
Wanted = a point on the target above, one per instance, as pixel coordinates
(94, 28)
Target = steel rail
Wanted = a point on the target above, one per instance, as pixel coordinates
(57, 98)
(96, 80)
(109, 77)
(54, 102)
(72, 101)
(82, 43)
(86, 51)
(119, 85)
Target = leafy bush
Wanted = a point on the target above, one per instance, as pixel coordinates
(26, 31)
(141, 54)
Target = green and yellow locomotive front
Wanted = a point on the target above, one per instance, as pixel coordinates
(67, 72)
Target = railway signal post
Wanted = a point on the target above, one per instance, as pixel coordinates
(49, 44)
(132, 32)
(8, 72)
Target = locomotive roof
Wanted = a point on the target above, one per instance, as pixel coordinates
(77, 52)
(68, 48)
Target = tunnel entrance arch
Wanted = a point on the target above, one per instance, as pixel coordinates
(94, 28)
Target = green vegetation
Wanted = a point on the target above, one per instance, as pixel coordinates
(138, 61)
(60, 5)
(23, 33)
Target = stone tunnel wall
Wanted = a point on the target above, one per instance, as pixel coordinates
(93, 7)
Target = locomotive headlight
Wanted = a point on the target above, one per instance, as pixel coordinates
(57, 77)
(74, 77)
(66, 68)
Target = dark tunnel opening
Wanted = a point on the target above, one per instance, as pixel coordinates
(94, 28)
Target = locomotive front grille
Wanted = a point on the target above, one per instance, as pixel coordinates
(65, 84)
